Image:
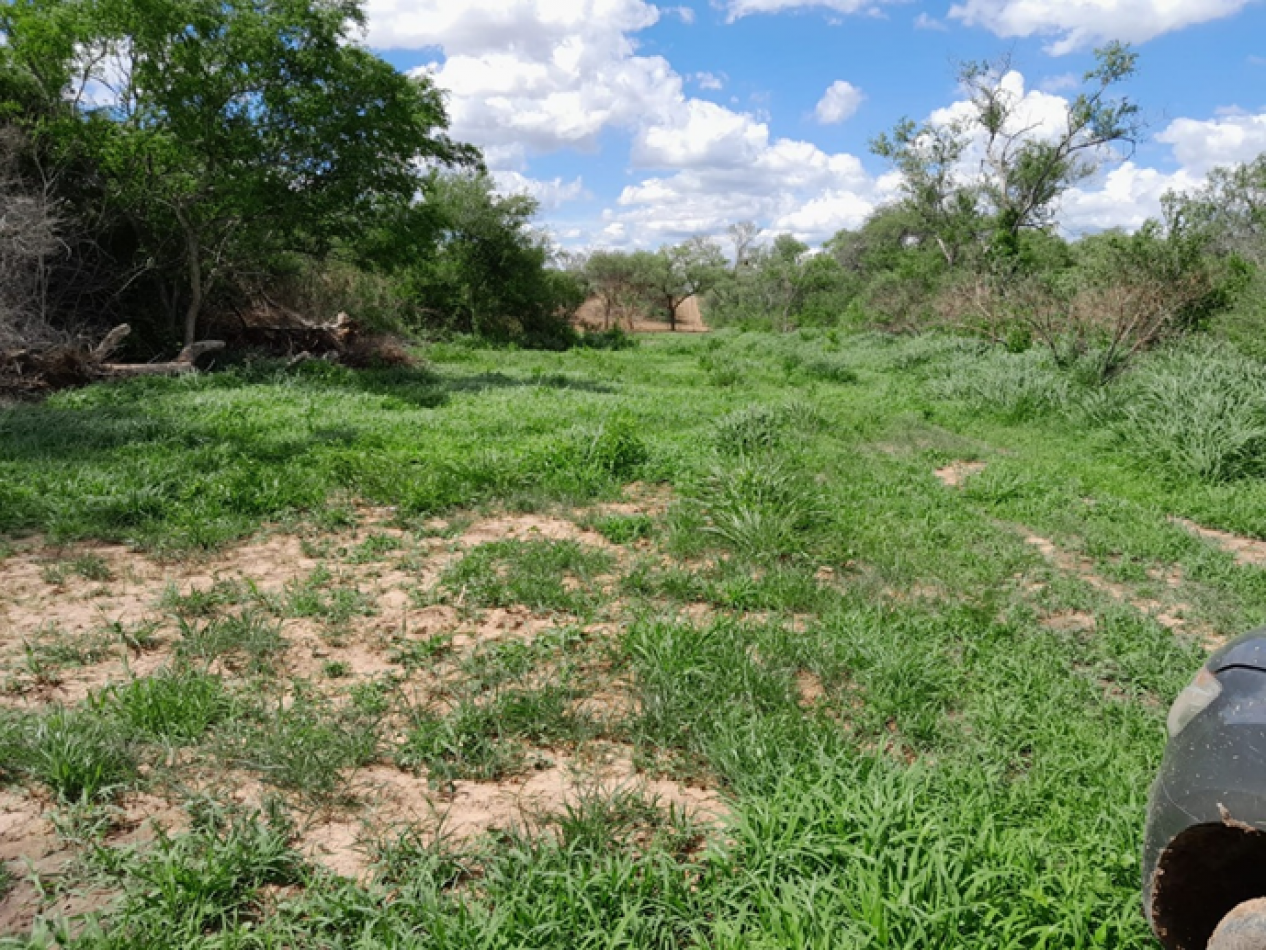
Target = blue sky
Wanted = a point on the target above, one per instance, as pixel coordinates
(637, 124)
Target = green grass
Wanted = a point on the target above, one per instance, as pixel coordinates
(965, 774)
(178, 706)
(543, 575)
(77, 754)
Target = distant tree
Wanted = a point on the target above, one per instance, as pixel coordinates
(670, 276)
(612, 277)
(1230, 209)
(1023, 169)
(223, 131)
(742, 235)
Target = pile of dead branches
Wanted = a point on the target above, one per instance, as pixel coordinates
(33, 371)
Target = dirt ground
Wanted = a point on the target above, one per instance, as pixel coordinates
(76, 619)
(591, 316)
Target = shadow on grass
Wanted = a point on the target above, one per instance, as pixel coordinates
(134, 413)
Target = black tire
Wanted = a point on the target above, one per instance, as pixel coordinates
(1244, 928)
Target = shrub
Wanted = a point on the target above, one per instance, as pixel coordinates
(1198, 412)
(1015, 386)
(759, 507)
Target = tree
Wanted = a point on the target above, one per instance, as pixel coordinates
(1023, 168)
(672, 275)
(1024, 172)
(612, 277)
(224, 131)
(1230, 209)
(742, 235)
(944, 204)
(488, 274)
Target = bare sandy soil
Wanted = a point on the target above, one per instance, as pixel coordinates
(592, 316)
(64, 636)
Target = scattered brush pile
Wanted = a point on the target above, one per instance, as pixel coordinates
(32, 371)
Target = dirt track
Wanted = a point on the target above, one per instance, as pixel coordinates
(590, 316)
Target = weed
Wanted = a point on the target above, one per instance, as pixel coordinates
(78, 754)
(420, 653)
(760, 508)
(376, 547)
(1198, 413)
(248, 636)
(309, 746)
(204, 602)
(317, 596)
(467, 743)
(336, 670)
(762, 427)
(92, 567)
(830, 369)
(598, 821)
(622, 529)
(175, 705)
(543, 575)
(205, 882)
(484, 741)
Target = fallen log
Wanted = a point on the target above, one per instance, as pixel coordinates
(184, 363)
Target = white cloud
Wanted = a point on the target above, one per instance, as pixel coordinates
(735, 9)
(1126, 197)
(925, 22)
(698, 134)
(550, 194)
(685, 14)
(1075, 24)
(533, 76)
(792, 185)
(1230, 139)
(527, 77)
(841, 101)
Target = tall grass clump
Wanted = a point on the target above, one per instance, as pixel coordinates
(765, 427)
(78, 754)
(175, 706)
(1197, 412)
(760, 507)
(1013, 386)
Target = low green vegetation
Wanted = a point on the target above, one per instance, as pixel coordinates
(924, 730)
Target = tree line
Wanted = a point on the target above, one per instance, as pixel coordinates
(174, 164)
(169, 163)
(971, 242)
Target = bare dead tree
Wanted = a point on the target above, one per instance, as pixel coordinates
(30, 243)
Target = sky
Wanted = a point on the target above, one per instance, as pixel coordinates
(637, 124)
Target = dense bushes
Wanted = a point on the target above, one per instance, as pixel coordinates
(188, 160)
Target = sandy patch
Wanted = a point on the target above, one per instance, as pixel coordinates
(395, 801)
(809, 689)
(1248, 551)
(956, 473)
(1171, 615)
(1070, 621)
(530, 528)
(592, 315)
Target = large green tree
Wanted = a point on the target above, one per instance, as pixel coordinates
(222, 131)
(489, 272)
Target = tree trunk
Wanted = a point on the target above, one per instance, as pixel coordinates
(672, 314)
(194, 252)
